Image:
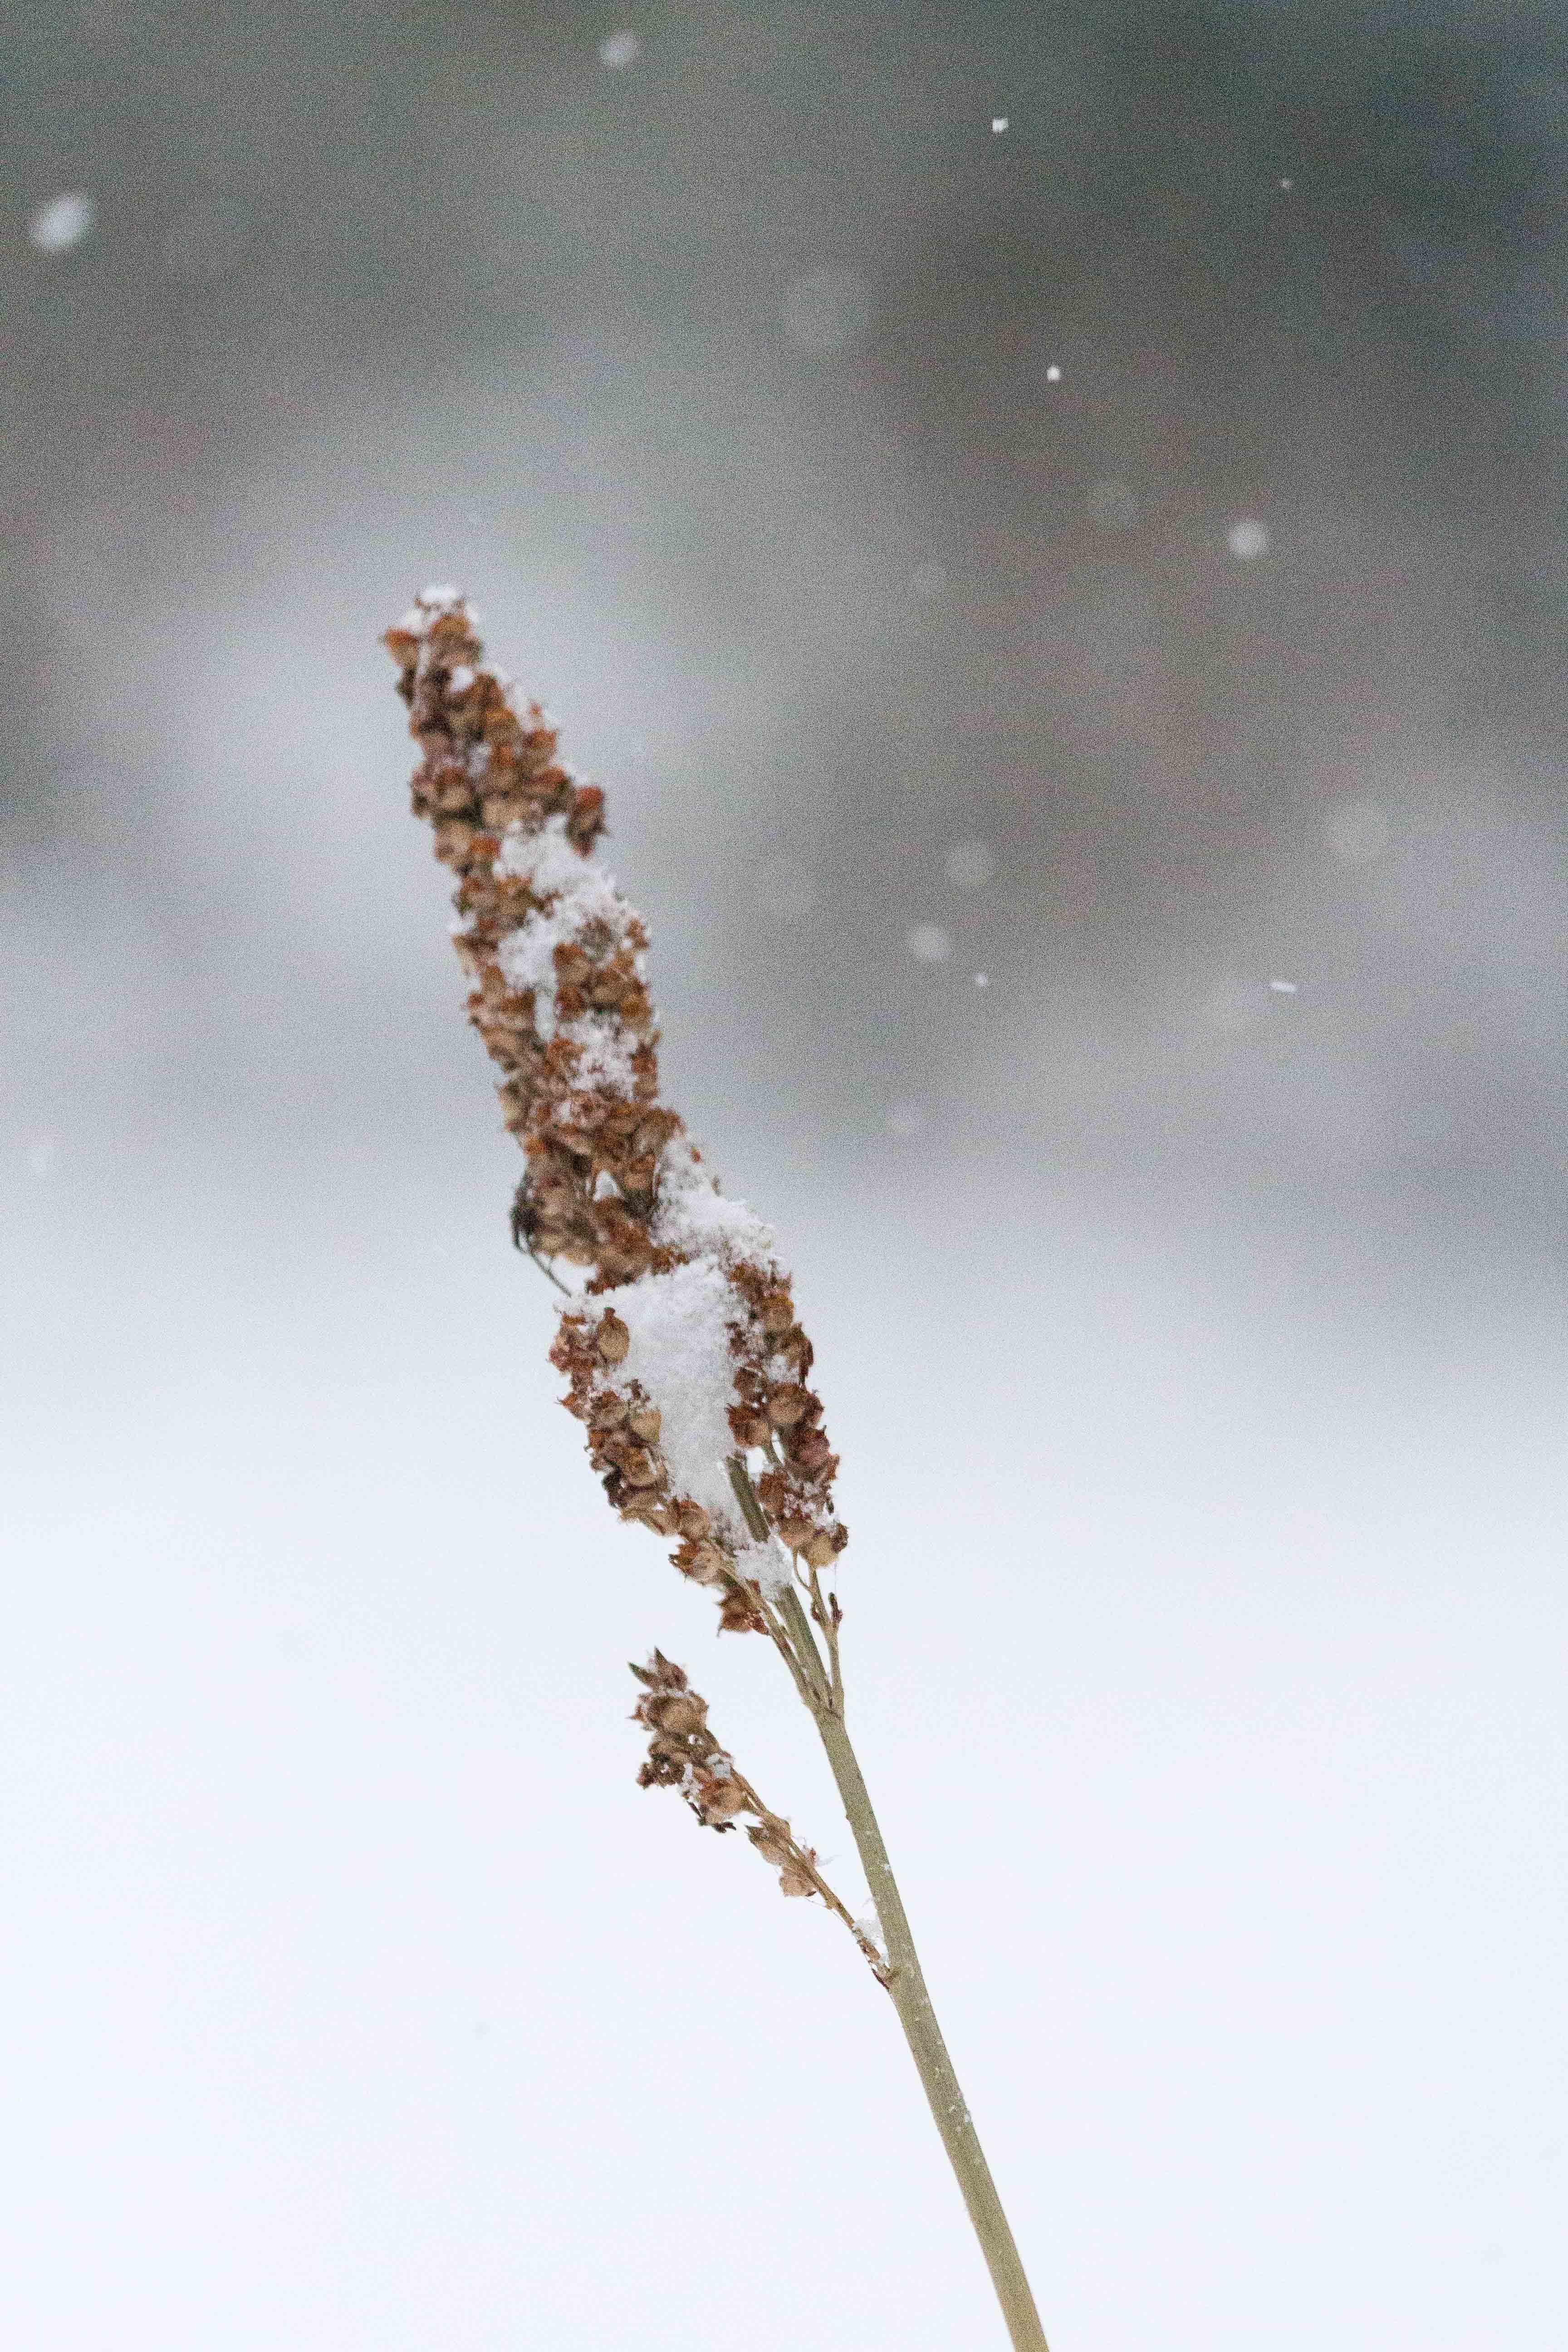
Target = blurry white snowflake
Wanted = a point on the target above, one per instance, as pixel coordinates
(827, 311)
(56, 227)
(971, 865)
(619, 50)
(1247, 539)
(929, 943)
(1053, 373)
(998, 125)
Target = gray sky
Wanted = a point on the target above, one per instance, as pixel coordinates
(1070, 618)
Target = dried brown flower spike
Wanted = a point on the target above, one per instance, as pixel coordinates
(701, 1354)
(682, 1352)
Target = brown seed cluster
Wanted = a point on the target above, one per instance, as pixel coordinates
(611, 1184)
(683, 1754)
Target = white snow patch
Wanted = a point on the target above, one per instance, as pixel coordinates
(679, 1324)
(693, 1215)
(579, 894)
(605, 1060)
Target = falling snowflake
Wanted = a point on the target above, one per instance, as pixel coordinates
(998, 125)
(56, 227)
(1053, 375)
(929, 943)
(619, 50)
(1247, 539)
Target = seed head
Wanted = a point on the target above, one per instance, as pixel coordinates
(612, 1185)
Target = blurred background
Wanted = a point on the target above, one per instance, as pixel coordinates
(1048, 525)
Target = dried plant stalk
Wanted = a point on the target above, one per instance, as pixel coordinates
(679, 1343)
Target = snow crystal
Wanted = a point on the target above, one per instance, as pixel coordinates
(870, 1927)
(695, 1216)
(433, 602)
(1283, 987)
(998, 125)
(1053, 375)
(929, 943)
(581, 894)
(679, 1352)
(619, 50)
(1247, 539)
(546, 859)
(605, 1060)
(982, 979)
(56, 227)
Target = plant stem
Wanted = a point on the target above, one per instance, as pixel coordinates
(823, 1693)
(907, 1987)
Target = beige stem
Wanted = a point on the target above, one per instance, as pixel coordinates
(912, 2001)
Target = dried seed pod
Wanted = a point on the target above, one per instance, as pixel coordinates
(679, 1712)
(723, 1799)
(707, 1565)
(613, 1339)
(787, 1404)
(645, 1420)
